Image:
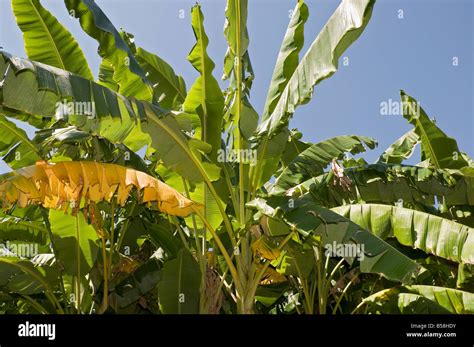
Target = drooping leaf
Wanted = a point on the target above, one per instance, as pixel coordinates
(432, 234)
(127, 72)
(16, 148)
(68, 143)
(75, 241)
(389, 184)
(375, 256)
(312, 161)
(15, 228)
(66, 135)
(37, 90)
(67, 184)
(420, 299)
(178, 290)
(287, 60)
(23, 277)
(47, 41)
(401, 149)
(441, 151)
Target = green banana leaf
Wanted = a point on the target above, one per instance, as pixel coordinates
(401, 149)
(417, 299)
(205, 96)
(159, 232)
(16, 149)
(465, 279)
(312, 161)
(236, 13)
(320, 61)
(169, 90)
(178, 289)
(106, 76)
(23, 277)
(86, 296)
(47, 41)
(288, 59)
(432, 234)
(143, 280)
(15, 228)
(442, 151)
(294, 147)
(36, 90)
(127, 72)
(311, 219)
(386, 183)
(296, 261)
(75, 241)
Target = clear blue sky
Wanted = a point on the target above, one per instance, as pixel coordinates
(414, 53)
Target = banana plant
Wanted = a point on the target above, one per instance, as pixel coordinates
(197, 224)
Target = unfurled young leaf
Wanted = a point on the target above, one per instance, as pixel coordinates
(287, 60)
(236, 23)
(205, 97)
(320, 61)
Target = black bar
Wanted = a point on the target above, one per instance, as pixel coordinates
(157, 330)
